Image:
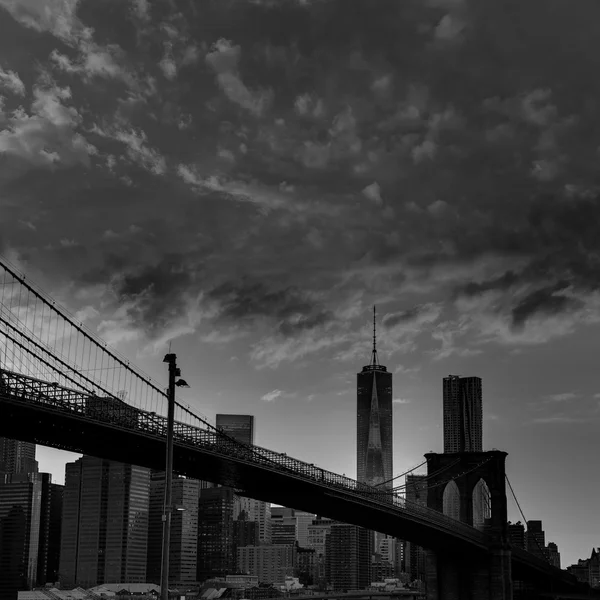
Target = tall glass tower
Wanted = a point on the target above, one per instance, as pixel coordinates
(463, 414)
(374, 422)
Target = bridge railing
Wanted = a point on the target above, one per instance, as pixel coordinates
(117, 412)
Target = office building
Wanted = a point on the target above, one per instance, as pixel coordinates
(414, 556)
(239, 427)
(283, 525)
(245, 533)
(20, 514)
(270, 563)
(516, 534)
(535, 539)
(348, 557)
(17, 457)
(50, 525)
(303, 520)
(257, 511)
(553, 555)
(215, 533)
(374, 422)
(463, 414)
(317, 533)
(183, 544)
(105, 523)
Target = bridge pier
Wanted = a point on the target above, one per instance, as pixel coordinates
(469, 578)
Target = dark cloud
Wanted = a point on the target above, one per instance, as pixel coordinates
(543, 301)
(476, 127)
(247, 301)
(406, 316)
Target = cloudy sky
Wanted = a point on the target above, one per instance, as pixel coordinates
(246, 178)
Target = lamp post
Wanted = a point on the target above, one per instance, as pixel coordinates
(174, 372)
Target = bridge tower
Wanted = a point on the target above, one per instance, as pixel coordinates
(485, 577)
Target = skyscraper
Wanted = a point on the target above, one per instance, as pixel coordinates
(183, 546)
(105, 523)
(17, 456)
(463, 414)
(348, 557)
(215, 533)
(239, 427)
(374, 422)
(20, 513)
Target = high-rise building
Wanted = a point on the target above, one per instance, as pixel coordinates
(258, 511)
(105, 523)
(270, 563)
(348, 557)
(535, 539)
(20, 515)
(374, 422)
(239, 427)
(183, 544)
(317, 534)
(50, 524)
(215, 533)
(463, 414)
(17, 457)
(303, 520)
(283, 525)
(516, 534)
(552, 554)
(414, 556)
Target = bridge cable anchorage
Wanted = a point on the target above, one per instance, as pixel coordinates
(547, 558)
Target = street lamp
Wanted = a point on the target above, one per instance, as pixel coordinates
(174, 372)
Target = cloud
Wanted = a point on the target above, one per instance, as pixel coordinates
(47, 136)
(559, 419)
(9, 80)
(55, 16)
(401, 401)
(140, 152)
(272, 396)
(224, 59)
(565, 396)
(373, 193)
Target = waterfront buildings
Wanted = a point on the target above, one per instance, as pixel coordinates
(105, 523)
(463, 414)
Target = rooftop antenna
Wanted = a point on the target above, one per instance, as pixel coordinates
(374, 357)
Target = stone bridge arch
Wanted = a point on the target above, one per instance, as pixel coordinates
(467, 469)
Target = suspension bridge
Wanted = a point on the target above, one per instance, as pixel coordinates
(62, 386)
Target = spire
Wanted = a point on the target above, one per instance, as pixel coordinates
(374, 357)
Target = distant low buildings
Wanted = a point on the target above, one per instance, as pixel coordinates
(588, 570)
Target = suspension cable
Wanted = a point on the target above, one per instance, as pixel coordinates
(401, 474)
(546, 558)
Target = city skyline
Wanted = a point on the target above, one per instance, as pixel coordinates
(248, 193)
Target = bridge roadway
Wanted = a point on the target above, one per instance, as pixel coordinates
(51, 415)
